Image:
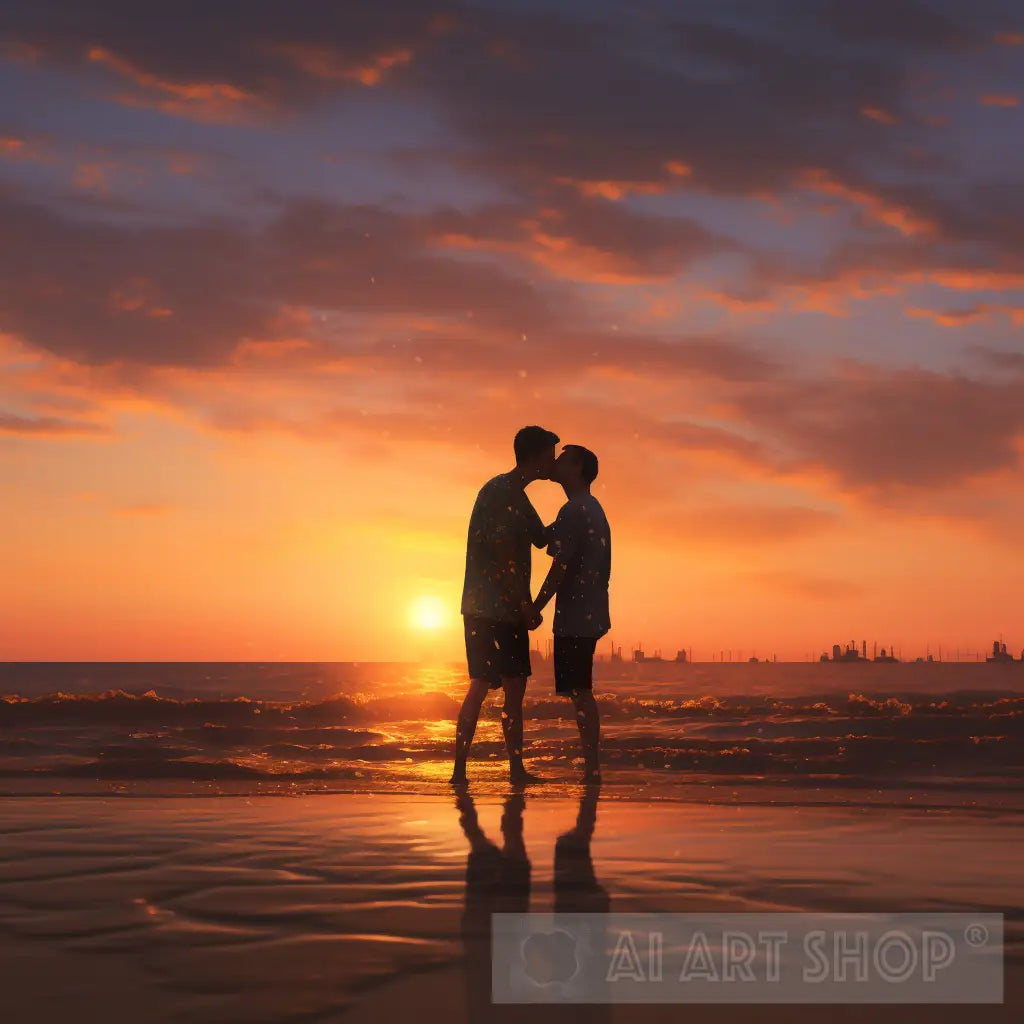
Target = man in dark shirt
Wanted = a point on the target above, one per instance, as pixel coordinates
(496, 605)
(497, 882)
(581, 549)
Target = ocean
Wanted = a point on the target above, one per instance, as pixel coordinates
(265, 727)
(268, 843)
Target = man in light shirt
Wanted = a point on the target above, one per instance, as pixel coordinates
(581, 549)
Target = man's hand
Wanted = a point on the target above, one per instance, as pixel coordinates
(531, 616)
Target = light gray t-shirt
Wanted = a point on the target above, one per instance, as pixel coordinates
(581, 537)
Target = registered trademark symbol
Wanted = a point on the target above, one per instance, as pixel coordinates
(976, 934)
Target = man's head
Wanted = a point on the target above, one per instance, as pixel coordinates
(576, 466)
(535, 452)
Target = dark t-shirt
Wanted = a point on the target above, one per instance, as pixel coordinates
(581, 537)
(491, 589)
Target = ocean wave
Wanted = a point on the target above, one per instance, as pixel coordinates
(124, 707)
(120, 735)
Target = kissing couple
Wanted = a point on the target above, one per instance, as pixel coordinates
(499, 612)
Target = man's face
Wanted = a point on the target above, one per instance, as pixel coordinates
(548, 465)
(561, 468)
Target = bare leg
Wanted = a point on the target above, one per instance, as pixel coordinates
(512, 727)
(512, 825)
(512, 721)
(466, 726)
(589, 724)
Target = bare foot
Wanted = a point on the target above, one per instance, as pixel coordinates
(458, 779)
(525, 778)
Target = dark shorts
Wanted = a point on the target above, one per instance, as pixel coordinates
(574, 663)
(497, 650)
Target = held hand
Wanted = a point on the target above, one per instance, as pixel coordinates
(533, 617)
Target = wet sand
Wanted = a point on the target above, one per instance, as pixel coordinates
(367, 907)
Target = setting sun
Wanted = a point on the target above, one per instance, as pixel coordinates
(429, 613)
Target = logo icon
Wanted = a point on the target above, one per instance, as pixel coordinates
(550, 957)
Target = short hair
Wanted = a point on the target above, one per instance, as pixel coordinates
(587, 460)
(531, 441)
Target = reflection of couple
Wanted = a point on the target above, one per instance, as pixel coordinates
(498, 881)
(497, 607)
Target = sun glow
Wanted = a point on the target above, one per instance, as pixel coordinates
(429, 613)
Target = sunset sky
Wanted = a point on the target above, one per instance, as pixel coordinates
(280, 281)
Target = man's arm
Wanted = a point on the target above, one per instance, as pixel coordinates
(504, 551)
(539, 539)
(552, 582)
(564, 542)
(538, 531)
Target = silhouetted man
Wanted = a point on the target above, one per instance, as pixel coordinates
(497, 881)
(496, 605)
(577, 891)
(581, 549)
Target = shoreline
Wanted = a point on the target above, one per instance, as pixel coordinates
(347, 907)
(948, 795)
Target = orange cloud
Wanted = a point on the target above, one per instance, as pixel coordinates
(971, 280)
(183, 163)
(585, 240)
(204, 101)
(14, 147)
(457, 240)
(980, 311)
(137, 296)
(561, 255)
(90, 167)
(289, 355)
(950, 317)
(269, 347)
(901, 218)
(1009, 38)
(833, 297)
(893, 432)
(46, 426)
(20, 50)
(371, 74)
(994, 99)
(663, 307)
(95, 175)
(879, 115)
(615, 190)
(569, 258)
(324, 62)
(736, 303)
